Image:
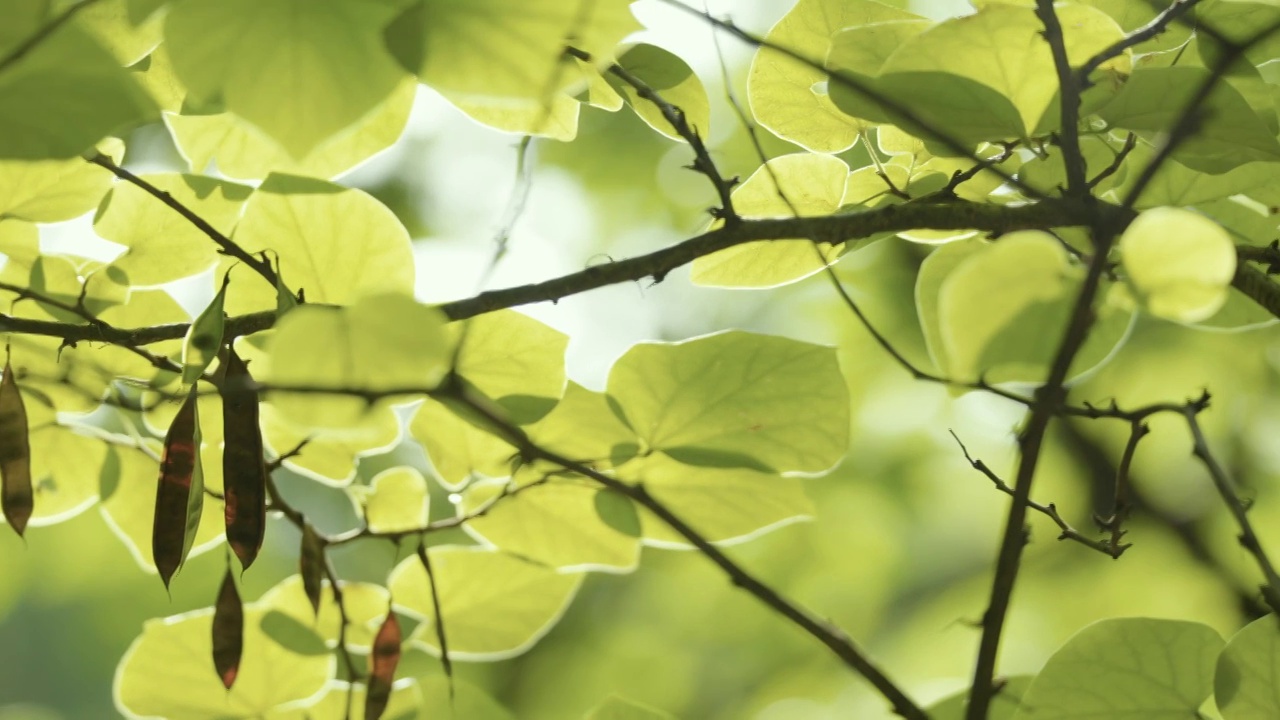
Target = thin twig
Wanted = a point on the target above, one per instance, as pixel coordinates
(1114, 522)
(1152, 29)
(226, 245)
(675, 116)
(445, 662)
(1050, 511)
(1235, 505)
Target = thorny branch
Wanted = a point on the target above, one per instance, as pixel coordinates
(1050, 511)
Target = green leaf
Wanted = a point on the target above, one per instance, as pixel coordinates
(204, 338)
(64, 95)
(674, 81)
(1228, 134)
(108, 21)
(46, 191)
(736, 399)
(335, 243)
(788, 96)
(456, 698)
(815, 186)
(1248, 673)
(504, 48)
(344, 701)
(509, 356)
(1002, 47)
(330, 457)
(396, 501)
(584, 427)
(1178, 263)
(302, 70)
(722, 504)
(365, 605)
(179, 649)
(557, 523)
(495, 605)
(242, 151)
(1126, 669)
(618, 708)
(556, 119)
(998, 310)
(458, 450)
(161, 245)
(383, 342)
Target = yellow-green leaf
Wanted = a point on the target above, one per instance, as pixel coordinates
(1178, 263)
(302, 70)
(814, 185)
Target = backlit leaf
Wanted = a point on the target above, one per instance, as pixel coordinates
(299, 69)
(1126, 669)
(204, 338)
(396, 501)
(1247, 673)
(494, 604)
(736, 399)
(499, 48)
(804, 183)
(1179, 263)
(673, 80)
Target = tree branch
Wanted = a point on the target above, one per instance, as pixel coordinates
(42, 34)
(226, 245)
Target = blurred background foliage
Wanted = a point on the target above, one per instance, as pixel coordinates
(901, 547)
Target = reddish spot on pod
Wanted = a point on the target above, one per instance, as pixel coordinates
(382, 667)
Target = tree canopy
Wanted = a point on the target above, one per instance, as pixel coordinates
(295, 301)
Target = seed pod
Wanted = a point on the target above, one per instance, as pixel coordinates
(382, 667)
(311, 561)
(16, 494)
(244, 472)
(177, 514)
(228, 631)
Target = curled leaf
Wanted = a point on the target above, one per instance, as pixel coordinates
(16, 495)
(311, 559)
(382, 667)
(244, 472)
(205, 337)
(228, 631)
(172, 531)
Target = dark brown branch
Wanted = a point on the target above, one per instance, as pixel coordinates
(226, 245)
(1049, 400)
(1152, 29)
(445, 662)
(898, 109)
(1235, 505)
(1069, 101)
(675, 116)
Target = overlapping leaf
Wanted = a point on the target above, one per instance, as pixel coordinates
(301, 70)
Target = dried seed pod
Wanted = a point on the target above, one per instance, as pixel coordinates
(244, 471)
(311, 562)
(16, 495)
(228, 631)
(382, 667)
(177, 511)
